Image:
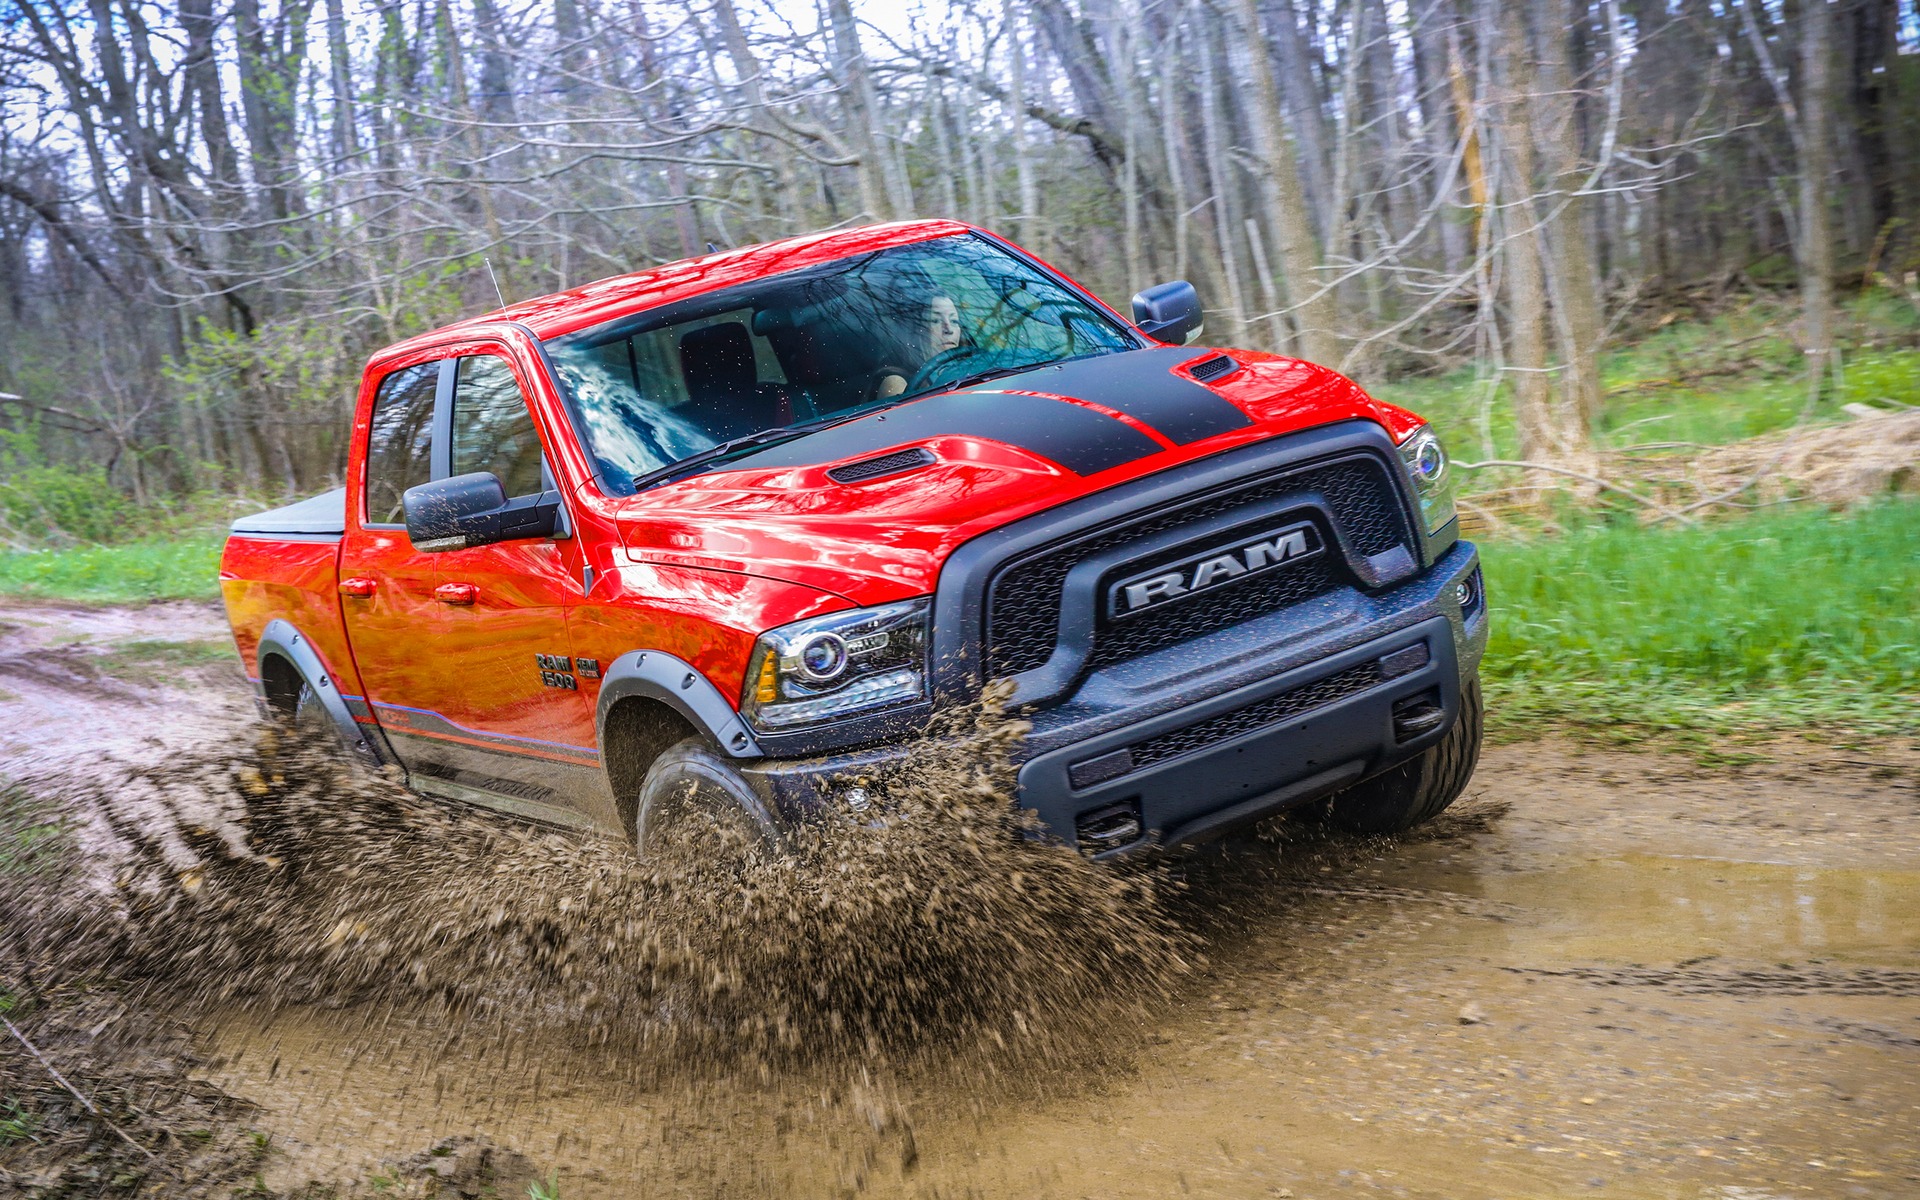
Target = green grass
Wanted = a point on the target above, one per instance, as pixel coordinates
(180, 569)
(16, 1123)
(1789, 619)
(151, 661)
(1709, 382)
(32, 840)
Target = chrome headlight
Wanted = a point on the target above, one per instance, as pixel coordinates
(1432, 474)
(829, 668)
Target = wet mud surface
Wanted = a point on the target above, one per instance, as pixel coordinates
(1602, 973)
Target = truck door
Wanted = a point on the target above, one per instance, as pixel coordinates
(386, 586)
(526, 728)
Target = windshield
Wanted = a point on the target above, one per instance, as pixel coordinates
(816, 345)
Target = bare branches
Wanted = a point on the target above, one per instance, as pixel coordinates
(1385, 187)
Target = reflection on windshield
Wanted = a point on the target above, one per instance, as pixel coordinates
(816, 345)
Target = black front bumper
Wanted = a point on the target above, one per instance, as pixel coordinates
(1231, 727)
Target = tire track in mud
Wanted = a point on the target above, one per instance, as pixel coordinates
(1813, 979)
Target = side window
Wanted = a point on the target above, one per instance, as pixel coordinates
(399, 448)
(492, 429)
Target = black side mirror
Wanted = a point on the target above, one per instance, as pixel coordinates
(473, 510)
(1169, 311)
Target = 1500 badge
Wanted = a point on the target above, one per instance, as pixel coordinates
(1213, 568)
(556, 670)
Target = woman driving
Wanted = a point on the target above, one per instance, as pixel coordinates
(937, 331)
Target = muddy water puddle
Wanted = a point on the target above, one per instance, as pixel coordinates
(1608, 974)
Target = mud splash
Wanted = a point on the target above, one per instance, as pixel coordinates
(271, 876)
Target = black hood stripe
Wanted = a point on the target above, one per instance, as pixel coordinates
(1141, 384)
(1080, 439)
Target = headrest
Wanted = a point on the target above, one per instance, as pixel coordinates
(717, 359)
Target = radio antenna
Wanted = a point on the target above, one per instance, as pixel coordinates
(496, 280)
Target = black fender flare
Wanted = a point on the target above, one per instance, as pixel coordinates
(681, 686)
(280, 639)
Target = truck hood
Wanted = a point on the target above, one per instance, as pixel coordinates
(824, 511)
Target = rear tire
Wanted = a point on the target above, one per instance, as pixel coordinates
(1419, 789)
(312, 724)
(312, 729)
(693, 803)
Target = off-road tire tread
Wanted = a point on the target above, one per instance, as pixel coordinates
(697, 750)
(1422, 788)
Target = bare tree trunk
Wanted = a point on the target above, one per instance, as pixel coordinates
(1576, 289)
(346, 140)
(1304, 109)
(1022, 156)
(1314, 311)
(1549, 431)
(1816, 233)
(883, 191)
(1223, 208)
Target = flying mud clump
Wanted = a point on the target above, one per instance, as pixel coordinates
(272, 876)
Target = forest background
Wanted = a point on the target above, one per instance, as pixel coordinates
(1649, 262)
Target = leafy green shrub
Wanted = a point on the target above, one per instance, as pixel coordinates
(53, 504)
(1876, 377)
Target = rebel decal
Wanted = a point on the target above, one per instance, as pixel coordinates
(1078, 438)
(1141, 384)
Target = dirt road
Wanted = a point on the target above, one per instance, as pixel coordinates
(1603, 973)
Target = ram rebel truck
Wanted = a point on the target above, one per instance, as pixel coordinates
(722, 536)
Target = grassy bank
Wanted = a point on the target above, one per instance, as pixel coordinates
(1789, 619)
(177, 569)
(1792, 618)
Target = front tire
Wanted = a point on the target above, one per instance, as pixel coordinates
(1419, 789)
(694, 803)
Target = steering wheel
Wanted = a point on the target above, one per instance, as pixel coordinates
(941, 362)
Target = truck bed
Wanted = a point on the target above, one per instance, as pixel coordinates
(284, 563)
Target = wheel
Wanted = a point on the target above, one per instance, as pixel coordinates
(311, 728)
(1419, 789)
(312, 724)
(693, 802)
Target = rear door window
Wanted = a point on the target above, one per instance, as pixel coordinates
(492, 429)
(400, 445)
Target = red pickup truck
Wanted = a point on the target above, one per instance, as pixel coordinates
(719, 538)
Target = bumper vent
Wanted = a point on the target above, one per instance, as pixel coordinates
(886, 464)
(1023, 607)
(1257, 715)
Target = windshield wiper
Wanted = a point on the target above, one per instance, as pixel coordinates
(967, 381)
(714, 453)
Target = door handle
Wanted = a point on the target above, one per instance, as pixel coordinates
(359, 586)
(457, 593)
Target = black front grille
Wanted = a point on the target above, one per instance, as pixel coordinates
(1023, 607)
(1215, 609)
(1258, 715)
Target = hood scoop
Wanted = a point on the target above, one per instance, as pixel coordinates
(899, 462)
(1212, 368)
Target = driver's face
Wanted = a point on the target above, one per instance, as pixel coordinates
(942, 324)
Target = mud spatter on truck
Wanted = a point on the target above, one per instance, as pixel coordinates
(270, 876)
